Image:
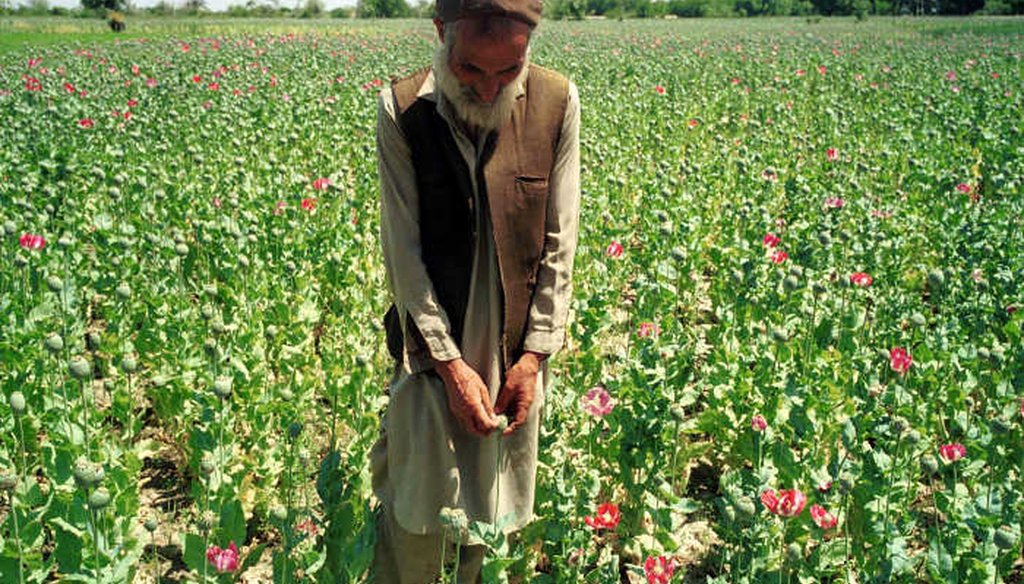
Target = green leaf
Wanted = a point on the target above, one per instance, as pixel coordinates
(232, 524)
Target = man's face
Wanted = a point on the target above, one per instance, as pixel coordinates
(485, 63)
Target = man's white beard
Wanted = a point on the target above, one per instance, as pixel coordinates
(468, 108)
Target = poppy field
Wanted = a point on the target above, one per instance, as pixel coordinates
(794, 351)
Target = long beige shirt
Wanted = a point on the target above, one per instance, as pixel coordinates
(424, 460)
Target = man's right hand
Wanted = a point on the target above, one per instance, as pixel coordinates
(468, 398)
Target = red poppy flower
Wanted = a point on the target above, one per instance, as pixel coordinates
(779, 256)
(785, 503)
(964, 188)
(606, 517)
(32, 84)
(659, 90)
(69, 88)
(823, 518)
(85, 123)
(860, 279)
(952, 452)
(614, 249)
(771, 240)
(659, 569)
(309, 204)
(900, 360)
(32, 242)
(831, 154)
(223, 560)
(758, 423)
(648, 329)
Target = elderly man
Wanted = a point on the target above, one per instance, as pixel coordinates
(479, 173)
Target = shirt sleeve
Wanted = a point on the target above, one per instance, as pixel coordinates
(545, 330)
(410, 286)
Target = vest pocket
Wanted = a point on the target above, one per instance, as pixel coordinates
(532, 186)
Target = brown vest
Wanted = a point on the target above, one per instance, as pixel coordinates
(514, 186)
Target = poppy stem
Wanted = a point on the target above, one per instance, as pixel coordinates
(17, 535)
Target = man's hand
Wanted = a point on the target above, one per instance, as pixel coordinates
(468, 398)
(519, 391)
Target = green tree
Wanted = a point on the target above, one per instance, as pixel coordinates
(382, 9)
(99, 5)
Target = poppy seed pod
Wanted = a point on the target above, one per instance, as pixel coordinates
(150, 525)
(17, 403)
(123, 291)
(80, 368)
(54, 283)
(222, 387)
(99, 499)
(8, 480)
(54, 343)
(1005, 538)
(86, 473)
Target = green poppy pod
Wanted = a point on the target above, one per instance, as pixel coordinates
(54, 283)
(929, 464)
(794, 553)
(279, 512)
(1005, 538)
(181, 249)
(86, 473)
(918, 320)
(745, 507)
(8, 480)
(780, 335)
(294, 430)
(80, 368)
(99, 499)
(54, 343)
(129, 364)
(222, 387)
(123, 291)
(150, 525)
(17, 403)
(936, 279)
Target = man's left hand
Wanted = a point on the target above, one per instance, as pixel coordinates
(519, 391)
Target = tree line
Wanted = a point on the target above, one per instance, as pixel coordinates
(557, 9)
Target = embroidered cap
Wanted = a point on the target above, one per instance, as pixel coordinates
(527, 11)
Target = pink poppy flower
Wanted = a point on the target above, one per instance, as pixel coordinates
(952, 452)
(614, 250)
(321, 183)
(659, 90)
(835, 202)
(308, 204)
(150, 82)
(85, 123)
(860, 279)
(659, 569)
(823, 518)
(223, 560)
(598, 402)
(648, 329)
(771, 240)
(32, 242)
(280, 207)
(308, 527)
(779, 257)
(692, 123)
(825, 486)
(785, 503)
(69, 88)
(758, 423)
(822, 69)
(831, 154)
(964, 188)
(32, 84)
(606, 517)
(900, 360)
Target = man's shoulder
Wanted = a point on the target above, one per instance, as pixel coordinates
(549, 77)
(406, 89)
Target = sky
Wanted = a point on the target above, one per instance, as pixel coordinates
(213, 5)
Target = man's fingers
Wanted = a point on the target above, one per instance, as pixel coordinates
(503, 399)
